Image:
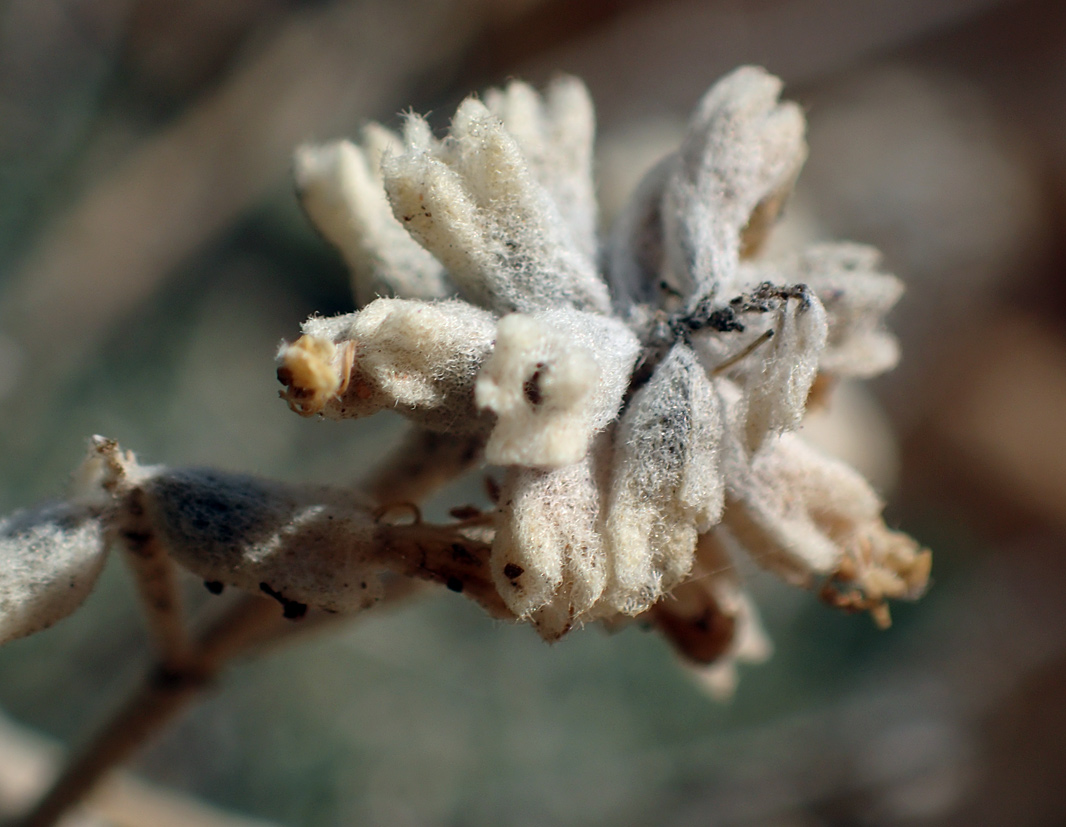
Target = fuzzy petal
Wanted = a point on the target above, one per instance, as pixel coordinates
(666, 485)
(548, 557)
(419, 358)
(554, 380)
(780, 381)
(340, 188)
(475, 204)
(815, 521)
(743, 148)
(555, 133)
(856, 294)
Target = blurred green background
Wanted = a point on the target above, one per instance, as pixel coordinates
(152, 255)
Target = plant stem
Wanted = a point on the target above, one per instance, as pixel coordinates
(421, 464)
(161, 695)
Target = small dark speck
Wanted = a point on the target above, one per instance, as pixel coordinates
(454, 584)
(512, 571)
(293, 610)
(290, 609)
(135, 503)
(136, 540)
(464, 512)
(214, 586)
(531, 387)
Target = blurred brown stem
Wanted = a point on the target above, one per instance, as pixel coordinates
(249, 624)
(415, 552)
(163, 693)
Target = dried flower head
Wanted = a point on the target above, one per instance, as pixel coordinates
(641, 395)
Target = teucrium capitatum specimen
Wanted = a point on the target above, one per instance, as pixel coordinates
(644, 412)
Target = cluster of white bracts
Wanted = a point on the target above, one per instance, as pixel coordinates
(643, 413)
(638, 408)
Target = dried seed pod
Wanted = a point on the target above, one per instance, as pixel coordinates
(666, 484)
(554, 380)
(419, 358)
(473, 202)
(340, 188)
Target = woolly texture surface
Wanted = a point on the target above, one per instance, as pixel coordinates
(420, 358)
(339, 185)
(626, 403)
(802, 514)
(856, 295)
(303, 544)
(52, 556)
(743, 147)
(548, 559)
(642, 393)
(473, 201)
(555, 134)
(554, 380)
(778, 386)
(666, 484)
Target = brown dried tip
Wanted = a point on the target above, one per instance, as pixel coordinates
(903, 575)
(311, 375)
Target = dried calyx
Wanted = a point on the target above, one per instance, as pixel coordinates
(642, 394)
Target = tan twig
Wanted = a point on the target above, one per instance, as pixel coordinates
(284, 632)
(455, 556)
(161, 695)
(421, 464)
(29, 761)
(445, 555)
(441, 554)
(156, 577)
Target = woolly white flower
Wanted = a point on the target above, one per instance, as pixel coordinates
(639, 427)
(643, 409)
